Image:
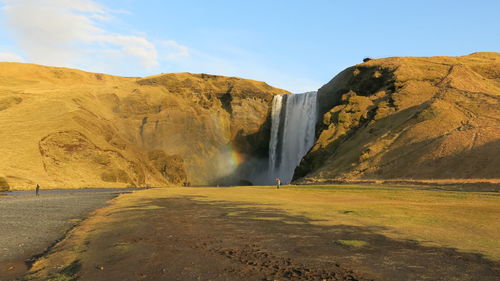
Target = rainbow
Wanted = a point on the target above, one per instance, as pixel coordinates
(236, 158)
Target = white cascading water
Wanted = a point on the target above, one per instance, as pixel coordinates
(292, 133)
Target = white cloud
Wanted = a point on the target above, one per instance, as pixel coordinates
(73, 33)
(10, 57)
(78, 33)
(175, 50)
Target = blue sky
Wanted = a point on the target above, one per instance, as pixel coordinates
(295, 45)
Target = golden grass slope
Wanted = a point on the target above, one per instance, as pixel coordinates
(68, 128)
(410, 118)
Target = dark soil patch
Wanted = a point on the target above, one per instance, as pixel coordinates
(192, 240)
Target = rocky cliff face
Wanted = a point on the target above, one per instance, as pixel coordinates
(68, 128)
(409, 118)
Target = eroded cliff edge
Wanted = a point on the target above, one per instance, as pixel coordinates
(409, 118)
(69, 128)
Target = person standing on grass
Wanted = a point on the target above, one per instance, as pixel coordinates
(37, 190)
(278, 183)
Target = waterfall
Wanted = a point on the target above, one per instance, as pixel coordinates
(292, 133)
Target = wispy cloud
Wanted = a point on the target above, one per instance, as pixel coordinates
(10, 57)
(174, 50)
(73, 33)
(79, 33)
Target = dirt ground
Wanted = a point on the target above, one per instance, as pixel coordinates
(184, 239)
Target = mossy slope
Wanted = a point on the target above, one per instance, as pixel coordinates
(409, 118)
(69, 128)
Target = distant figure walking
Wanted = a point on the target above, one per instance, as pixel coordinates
(37, 190)
(278, 183)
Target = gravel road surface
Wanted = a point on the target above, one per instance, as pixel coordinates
(29, 224)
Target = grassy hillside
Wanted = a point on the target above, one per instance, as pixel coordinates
(409, 118)
(69, 128)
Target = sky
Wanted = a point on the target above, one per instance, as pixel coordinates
(295, 45)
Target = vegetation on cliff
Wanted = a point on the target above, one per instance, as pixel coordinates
(409, 118)
(69, 128)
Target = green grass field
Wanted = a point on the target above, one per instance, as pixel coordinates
(467, 221)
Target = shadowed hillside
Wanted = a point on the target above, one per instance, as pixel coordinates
(409, 118)
(68, 128)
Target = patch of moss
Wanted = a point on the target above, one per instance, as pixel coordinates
(149, 207)
(102, 159)
(121, 175)
(353, 243)
(7, 102)
(69, 273)
(4, 185)
(117, 175)
(427, 114)
(170, 166)
(108, 176)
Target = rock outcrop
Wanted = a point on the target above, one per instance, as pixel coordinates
(68, 128)
(409, 118)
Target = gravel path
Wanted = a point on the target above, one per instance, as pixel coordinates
(30, 224)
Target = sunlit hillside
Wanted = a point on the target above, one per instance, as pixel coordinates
(68, 128)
